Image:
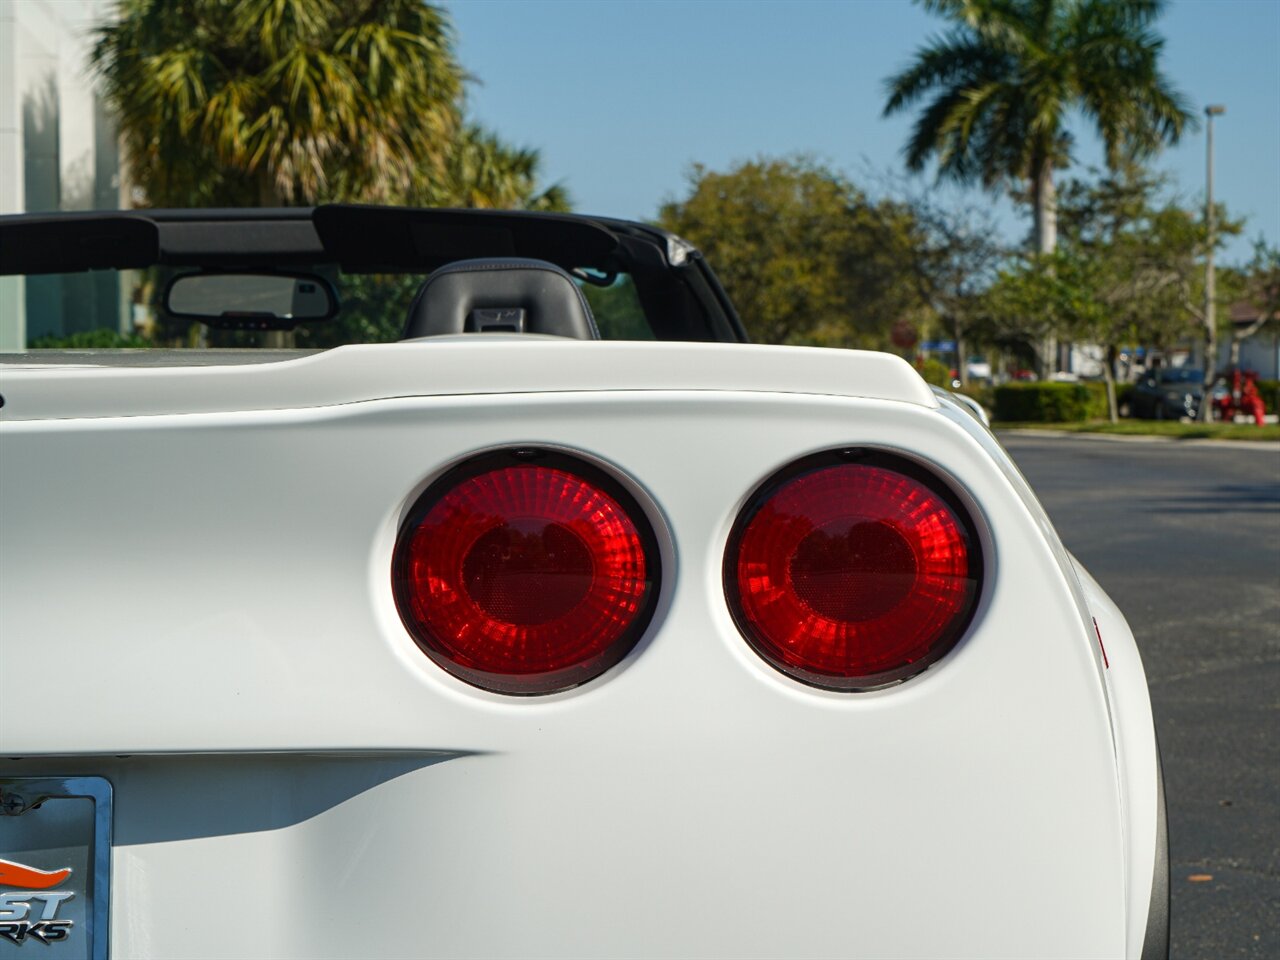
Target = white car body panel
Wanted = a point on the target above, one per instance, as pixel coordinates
(444, 366)
(1137, 757)
(211, 590)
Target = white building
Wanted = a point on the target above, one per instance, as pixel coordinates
(58, 151)
(1260, 352)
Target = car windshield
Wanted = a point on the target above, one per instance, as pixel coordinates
(105, 308)
(1181, 375)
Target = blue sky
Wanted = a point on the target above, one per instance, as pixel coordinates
(621, 97)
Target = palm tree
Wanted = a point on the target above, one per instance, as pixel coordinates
(1005, 78)
(263, 102)
(484, 171)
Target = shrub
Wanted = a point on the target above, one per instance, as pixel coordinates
(1096, 405)
(1050, 402)
(102, 339)
(935, 372)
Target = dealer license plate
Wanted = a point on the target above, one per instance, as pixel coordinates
(55, 867)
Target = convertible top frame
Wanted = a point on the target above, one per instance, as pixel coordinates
(679, 293)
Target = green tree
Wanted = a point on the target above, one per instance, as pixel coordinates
(1154, 251)
(1065, 292)
(1003, 81)
(806, 258)
(264, 102)
(1128, 270)
(1142, 252)
(951, 254)
(483, 171)
(267, 102)
(1259, 286)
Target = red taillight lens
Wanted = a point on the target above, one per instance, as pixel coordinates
(526, 575)
(850, 575)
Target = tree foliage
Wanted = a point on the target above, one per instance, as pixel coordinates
(266, 101)
(951, 253)
(999, 86)
(1129, 270)
(1258, 283)
(803, 254)
(270, 102)
(481, 170)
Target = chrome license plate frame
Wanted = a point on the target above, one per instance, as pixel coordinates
(27, 797)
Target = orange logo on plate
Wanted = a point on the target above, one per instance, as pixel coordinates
(29, 878)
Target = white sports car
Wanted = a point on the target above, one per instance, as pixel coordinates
(509, 640)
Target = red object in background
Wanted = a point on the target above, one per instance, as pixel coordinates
(903, 334)
(1243, 398)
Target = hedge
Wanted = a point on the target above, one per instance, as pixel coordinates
(934, 371)
(1098, 408)
(101, 339)
(1051, 402)
(1075, 402)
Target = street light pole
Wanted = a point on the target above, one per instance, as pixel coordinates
(1210, 318)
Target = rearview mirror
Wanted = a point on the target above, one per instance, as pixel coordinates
(251, 301)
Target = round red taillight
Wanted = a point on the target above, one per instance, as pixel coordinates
(852, 570)
(526, 572)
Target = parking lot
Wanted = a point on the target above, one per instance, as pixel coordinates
(1186, 539)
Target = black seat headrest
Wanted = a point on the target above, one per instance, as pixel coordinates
(500, 294)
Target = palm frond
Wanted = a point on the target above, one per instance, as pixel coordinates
(946, 61)
(997, 87)
(301, 94)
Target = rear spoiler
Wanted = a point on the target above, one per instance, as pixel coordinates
(467, 364)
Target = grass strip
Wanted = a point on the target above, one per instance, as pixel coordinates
(1159, 428)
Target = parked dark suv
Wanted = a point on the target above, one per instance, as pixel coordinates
(1168, 394)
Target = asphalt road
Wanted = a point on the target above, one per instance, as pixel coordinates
(1186, 539)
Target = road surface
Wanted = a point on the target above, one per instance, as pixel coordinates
(1186, 539)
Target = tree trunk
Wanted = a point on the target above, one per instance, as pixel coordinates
(268, 193)
(1040, 362)
(1045, 200)
(962, 364)
(1205, 414)
(1240, 334)
(1109, 377)
(1044, 212)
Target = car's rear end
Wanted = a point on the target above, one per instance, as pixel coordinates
(221, 592)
